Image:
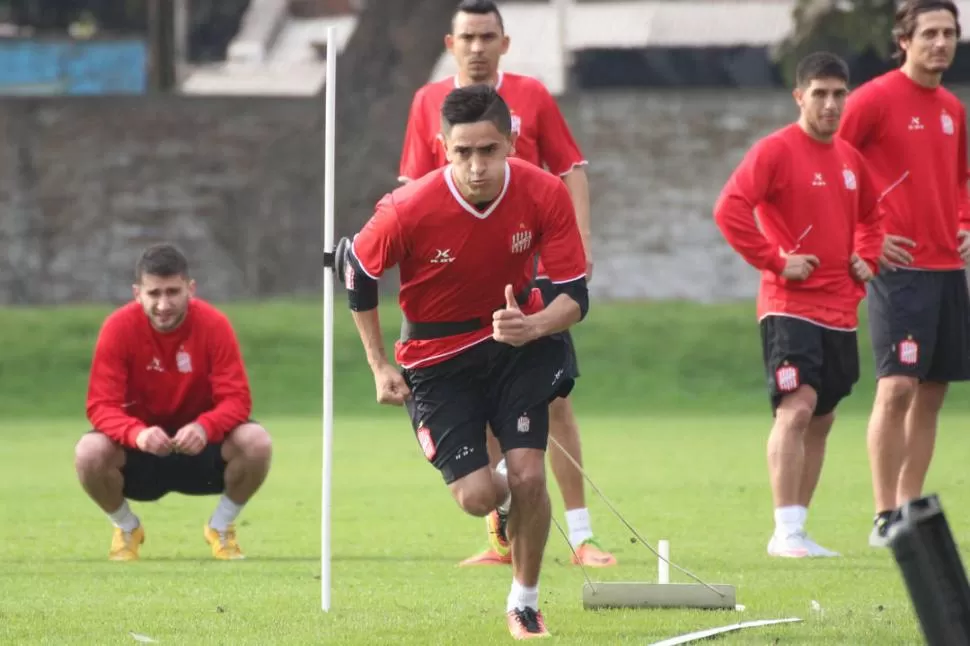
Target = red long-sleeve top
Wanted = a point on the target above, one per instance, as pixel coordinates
(914, 140)
(142, 378)
(793, 194)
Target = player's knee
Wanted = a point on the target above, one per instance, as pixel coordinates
(96, 453)
(251, 442)
(475, 501)
(894, 394)
(795, 411)
(527, 477)
(561, 413)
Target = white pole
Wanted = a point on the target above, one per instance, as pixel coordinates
(328, 277)
(561, 8)
(663, 563)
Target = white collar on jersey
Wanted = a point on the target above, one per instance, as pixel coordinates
(498, 84)
(455, 193)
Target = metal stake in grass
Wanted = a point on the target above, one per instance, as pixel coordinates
(613, 594)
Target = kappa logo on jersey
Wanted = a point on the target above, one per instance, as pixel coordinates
(849, 178)
(184, 361)
(818, 180)
(442, 256)
(155, 365)
(908, 351)
(787, 378)
(946, 122)
(914, 124)
(521, 241)
(427, 444)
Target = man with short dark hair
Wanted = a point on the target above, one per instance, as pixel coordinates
(912, 133)
(169, 401)
(477, 346)
(802, 208)
(541, 136)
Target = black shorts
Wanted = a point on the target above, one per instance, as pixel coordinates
(920, 324)
(572, 363)
(148, 477)
(801, 353)
(506, 387)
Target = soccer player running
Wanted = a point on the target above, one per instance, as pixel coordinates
(542, 137)
(169, 401)
(912, 133)
(816, 240)
(478, 347)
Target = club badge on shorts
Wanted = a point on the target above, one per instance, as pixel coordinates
(787, 378)
(908, 351)
(522, 426)
(427, 444)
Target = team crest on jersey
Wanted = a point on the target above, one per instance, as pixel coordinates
(908, 352)
(516, 123)
(946, 122)
(787, 378)
(849, 178)
(521, 241)
(183, 361)
(426, 442)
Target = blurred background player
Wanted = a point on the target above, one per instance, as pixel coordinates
(478, 347)
(169, 401)
(541, 137)
(816, 240)
(912, 133)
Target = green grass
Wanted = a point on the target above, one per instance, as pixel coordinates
(674, 420)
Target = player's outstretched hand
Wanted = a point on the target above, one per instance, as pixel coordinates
(964, 245)
(391, 387)
(190, 439)
(893, 252)
(510, 325)
(154, 440)
(860, 269)
(799, 266)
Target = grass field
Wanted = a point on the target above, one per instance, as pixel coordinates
(674, 423)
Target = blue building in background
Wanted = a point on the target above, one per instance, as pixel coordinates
(73, 67)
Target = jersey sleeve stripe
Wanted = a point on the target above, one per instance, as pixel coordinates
(573, 167)
(568, 280)
(361, 262)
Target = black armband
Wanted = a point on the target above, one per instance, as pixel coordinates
(361, 288)
(576, 290)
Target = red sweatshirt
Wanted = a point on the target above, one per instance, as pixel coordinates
(914, 140)
(811, 198)
(141, 377)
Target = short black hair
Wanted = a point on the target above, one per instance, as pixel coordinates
(481, 8)
(908, 12)
(163, 260)
(474, 103)
(820, 65)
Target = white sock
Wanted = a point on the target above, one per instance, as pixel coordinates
(226, 512)
(521, 597)
(503, 507)
(124, 519)
(580, 529)
(789, 520)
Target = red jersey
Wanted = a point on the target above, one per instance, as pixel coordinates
(455, 259)
(141, 377)
(914, 140)
(811, 198)
(542, 136)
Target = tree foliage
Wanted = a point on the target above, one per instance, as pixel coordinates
(850, 28)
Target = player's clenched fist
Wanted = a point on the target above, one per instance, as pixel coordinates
(391, 387)
(154, 440)
(799, 267)
(860, 270)
(510, 325)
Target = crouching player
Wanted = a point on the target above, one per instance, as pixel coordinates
(817, 241)
(169, 402)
